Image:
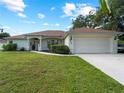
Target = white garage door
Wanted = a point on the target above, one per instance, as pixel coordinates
(92, 45)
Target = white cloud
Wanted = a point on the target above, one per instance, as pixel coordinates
(57, 24)
(69, 8)
(52, 25)
(16, 6)
(29, 22)
(84, 9)
(41, 16)
(22, 15)
(73, 10)
(52, 8)
(45, 24)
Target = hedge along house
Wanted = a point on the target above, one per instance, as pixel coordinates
(81, 40)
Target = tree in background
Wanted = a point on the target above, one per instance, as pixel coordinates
(4, 35)
(110, 15)
(79, 22)
(101, 18)
(117, 7)
(84, 21)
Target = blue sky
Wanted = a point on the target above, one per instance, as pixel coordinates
(25, 16)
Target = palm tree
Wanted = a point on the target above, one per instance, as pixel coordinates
(105, 6)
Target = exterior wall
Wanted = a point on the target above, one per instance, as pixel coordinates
(114, 45)
(2, 42)
(1, 45)
(20, 43)
(69, 42)
(44, 45)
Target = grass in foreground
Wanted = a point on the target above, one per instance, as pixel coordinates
(25, 72)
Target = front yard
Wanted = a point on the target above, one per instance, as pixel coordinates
(25, 72)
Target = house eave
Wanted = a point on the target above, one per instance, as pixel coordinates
(79, 33)
(15, 39)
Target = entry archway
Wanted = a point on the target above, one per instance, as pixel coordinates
(34, 44)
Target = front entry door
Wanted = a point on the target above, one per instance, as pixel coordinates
(34, 46)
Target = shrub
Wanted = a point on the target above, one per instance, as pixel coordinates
(22, 49)
(60, 49)
(10, 47)
(14, 47)
(50, 47)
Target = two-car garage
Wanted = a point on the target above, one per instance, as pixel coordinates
(92, 45)
(88, 40)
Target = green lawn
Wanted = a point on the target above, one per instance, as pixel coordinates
(25, 72)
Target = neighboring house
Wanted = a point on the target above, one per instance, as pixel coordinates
(2, 42)
(81, 40)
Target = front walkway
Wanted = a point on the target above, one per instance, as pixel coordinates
(111, 64)
(46, 53)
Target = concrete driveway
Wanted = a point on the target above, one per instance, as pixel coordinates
(111, 64)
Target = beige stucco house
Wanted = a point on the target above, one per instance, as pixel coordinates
(81, 40)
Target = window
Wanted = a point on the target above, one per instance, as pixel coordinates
(56, 41)
(48, 41)
(53, 41)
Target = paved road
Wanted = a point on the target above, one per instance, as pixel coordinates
(111, 64)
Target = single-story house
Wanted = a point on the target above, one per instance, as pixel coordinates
(80, 40)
